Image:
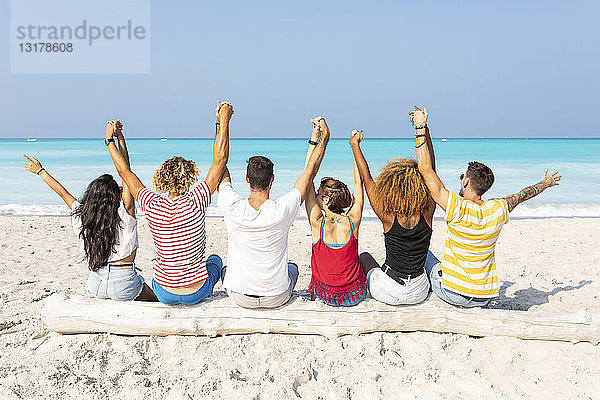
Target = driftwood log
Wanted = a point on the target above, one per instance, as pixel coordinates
(217, 316)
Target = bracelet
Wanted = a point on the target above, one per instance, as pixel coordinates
(108, 141)
(421, 135)
(310, 141)
(40, 171)
(421, 127)
(417, 146)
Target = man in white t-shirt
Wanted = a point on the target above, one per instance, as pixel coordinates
(258, 273)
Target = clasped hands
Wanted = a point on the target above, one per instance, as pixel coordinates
(114, 129)
(224, 112)
(319, 128)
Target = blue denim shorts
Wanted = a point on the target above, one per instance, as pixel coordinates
(214, 267)
(433, 268)
(116, 282)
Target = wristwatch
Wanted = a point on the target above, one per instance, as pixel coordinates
(310, 141)
(108, 141)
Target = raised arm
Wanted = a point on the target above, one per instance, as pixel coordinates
(548, 180)
(357, 191)
(34, 166)
(133, 183)
(313, 211)
(221, 149)
(314, 161)
(365, 173)
(225, 178)
(127, 197)
(425, 158)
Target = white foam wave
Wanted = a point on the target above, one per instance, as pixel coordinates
(532, 210)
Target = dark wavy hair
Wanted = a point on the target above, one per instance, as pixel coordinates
(339, 195)
(259, 172)
(100, 221)
(481, 176)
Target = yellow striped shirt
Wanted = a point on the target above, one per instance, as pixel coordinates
(469, 264)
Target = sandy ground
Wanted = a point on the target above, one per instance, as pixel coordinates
(545, 264)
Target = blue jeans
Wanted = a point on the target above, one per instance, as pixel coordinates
(115, 282)
(214, 267)
(433, 270)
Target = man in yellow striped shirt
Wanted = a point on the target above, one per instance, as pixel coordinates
(467, 276)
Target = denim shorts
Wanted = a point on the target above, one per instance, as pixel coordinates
(115, 282)
(433, 268)
(214, 267)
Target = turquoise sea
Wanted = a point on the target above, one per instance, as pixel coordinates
(516, 163)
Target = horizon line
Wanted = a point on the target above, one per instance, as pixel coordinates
(305, 138)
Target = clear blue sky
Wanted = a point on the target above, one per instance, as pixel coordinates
(483, 68)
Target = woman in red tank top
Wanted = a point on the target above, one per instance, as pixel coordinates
(337, 277)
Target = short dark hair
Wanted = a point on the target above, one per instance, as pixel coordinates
(259, 172)
(481, 176)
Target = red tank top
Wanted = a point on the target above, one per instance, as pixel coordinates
(336, 272)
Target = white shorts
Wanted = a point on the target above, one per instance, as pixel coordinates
(385, 289)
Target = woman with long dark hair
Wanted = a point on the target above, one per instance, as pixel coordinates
(104, 219)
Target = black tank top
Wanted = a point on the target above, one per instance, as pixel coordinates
(406, 249)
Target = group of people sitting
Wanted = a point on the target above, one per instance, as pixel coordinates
(258, 273)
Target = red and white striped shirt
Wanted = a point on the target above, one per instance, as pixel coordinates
(177, 227)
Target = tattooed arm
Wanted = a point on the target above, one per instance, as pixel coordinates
(531, 191)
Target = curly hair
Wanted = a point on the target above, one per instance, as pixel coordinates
(100, 221)
(176, 175)
(400, 188)
(338, 193)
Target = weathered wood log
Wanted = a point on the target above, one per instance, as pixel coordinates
(219, 316)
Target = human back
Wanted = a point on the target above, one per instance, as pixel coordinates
(258, 273)
(406, 211)
(400, 199)
(105, 222)
(259, 238)
(335, 214)
(107, 231)
(183, 273)
(177, 226)
(258, 230)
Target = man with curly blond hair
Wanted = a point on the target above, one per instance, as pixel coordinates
(183, 274)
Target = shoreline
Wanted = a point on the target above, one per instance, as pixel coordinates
(523, 211)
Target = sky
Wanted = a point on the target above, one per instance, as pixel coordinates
(482, 68)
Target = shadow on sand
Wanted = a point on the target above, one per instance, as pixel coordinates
(524, 299)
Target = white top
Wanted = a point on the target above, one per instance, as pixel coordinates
(257, 256)
(127, 239)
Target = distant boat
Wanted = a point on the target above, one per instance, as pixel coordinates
(163, 140)
(31, 139)
(444, 140)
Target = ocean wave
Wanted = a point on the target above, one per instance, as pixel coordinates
(532, 210)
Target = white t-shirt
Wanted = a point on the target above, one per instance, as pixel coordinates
(127, 239)
(257, 256)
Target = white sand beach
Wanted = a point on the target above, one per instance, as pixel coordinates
(544, 264)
